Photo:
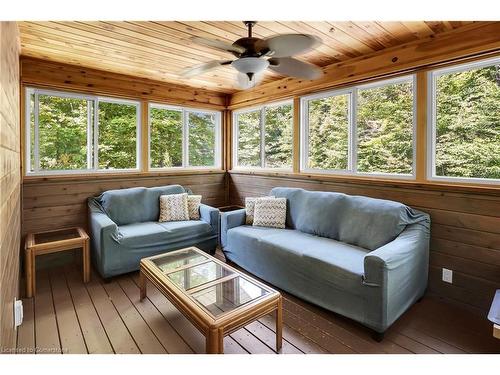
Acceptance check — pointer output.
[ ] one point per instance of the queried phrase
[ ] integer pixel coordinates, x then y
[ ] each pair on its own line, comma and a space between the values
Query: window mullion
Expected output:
262, 138
90, 123
185, 136
37, 134
96, 134
353, 140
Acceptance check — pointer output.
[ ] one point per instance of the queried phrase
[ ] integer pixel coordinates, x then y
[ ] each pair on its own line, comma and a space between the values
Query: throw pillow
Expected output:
249, 209
194, 202
270, 212
174, 207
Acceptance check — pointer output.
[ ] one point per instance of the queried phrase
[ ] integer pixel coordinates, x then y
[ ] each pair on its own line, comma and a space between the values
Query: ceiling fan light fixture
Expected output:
250, 65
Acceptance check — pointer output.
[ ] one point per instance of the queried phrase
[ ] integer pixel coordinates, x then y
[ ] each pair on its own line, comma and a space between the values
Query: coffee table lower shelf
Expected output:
214, 328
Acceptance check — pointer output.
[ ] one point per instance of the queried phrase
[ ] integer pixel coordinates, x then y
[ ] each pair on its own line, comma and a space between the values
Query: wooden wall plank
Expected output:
10, 181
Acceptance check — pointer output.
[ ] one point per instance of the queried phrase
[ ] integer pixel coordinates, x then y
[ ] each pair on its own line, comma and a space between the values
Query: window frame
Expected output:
262, 131
92, 133
185, 111
432, 121
352, 152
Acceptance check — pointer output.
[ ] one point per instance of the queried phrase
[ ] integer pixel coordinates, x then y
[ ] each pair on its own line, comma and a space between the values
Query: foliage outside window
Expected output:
365, 129
180, 137
70, 133
465, 118
264, 137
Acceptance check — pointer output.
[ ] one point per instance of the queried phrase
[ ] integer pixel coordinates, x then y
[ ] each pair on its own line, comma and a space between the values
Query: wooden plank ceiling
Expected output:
161, 50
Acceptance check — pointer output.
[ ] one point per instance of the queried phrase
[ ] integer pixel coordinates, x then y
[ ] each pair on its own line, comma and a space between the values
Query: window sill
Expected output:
376, 181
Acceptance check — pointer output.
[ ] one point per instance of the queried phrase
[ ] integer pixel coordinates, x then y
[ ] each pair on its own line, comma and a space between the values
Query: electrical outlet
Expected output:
18, 312
447, 276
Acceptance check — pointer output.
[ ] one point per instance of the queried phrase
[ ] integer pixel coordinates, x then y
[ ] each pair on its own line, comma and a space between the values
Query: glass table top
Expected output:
212, 285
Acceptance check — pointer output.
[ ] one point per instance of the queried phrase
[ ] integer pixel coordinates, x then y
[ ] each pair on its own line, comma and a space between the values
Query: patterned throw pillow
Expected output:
194, 202
270, 212
249, 209
174, 207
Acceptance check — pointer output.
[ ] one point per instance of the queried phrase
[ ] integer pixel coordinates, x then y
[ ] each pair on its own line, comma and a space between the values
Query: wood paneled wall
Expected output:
10, 179
465, 233
54, 203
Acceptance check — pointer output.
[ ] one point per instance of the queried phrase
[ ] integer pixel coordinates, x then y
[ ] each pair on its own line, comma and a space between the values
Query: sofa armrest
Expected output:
100, 224
211, 216
230, 220
405, 257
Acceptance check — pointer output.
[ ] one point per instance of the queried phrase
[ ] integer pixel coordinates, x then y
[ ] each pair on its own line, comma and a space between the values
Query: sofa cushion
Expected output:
309, 256
125, 206
194, 202
361, 221
153, 233
135, 205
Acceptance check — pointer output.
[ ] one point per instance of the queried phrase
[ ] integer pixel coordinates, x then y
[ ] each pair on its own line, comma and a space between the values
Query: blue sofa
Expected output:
124, 228
364, 258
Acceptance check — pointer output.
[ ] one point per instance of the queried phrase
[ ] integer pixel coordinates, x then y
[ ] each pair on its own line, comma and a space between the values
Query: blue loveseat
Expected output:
124, 228
364, 258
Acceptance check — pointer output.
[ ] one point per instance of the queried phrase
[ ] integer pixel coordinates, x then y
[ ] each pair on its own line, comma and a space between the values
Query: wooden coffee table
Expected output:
217, 298
52, 242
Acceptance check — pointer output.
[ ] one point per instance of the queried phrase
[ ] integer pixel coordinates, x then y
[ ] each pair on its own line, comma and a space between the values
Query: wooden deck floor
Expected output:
67, 316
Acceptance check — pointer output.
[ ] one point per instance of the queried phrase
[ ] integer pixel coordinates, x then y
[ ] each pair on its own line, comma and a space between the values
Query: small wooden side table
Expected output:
53, 241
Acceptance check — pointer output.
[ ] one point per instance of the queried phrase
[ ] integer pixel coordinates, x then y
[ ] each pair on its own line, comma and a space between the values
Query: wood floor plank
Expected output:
324, 340
355, 328
93, 332
169, 338
431, 342
292, 336
46, 333
410, 344
268, 337
26, 331
70, 334
117, 332
250, 342
343, 335
136, 325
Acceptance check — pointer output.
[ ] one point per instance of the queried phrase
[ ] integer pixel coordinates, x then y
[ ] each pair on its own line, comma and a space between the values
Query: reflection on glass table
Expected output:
197, 275
228, 295
170, 262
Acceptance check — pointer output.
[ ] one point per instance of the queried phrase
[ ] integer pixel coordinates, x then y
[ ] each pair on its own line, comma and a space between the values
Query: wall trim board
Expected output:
465, 42
53, 75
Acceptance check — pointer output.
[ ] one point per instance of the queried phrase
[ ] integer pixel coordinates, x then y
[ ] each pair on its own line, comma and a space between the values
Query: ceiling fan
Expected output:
255, 55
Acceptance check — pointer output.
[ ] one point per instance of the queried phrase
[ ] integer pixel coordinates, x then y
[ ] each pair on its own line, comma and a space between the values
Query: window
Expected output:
367, 129
70, 133
180, 137
264, 137
465, 123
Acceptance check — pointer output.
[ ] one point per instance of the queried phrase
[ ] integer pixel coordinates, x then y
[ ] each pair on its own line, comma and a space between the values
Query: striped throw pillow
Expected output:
174, 207
270, 212
250, 207
194, 202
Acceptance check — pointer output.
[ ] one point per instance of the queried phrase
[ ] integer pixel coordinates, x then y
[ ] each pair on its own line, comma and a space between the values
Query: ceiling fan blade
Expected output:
203, 68
288, 44
228, 47
243, 82
289, 66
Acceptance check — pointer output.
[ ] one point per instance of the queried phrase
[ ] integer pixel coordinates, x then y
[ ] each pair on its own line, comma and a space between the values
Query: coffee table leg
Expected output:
215, 343
279, 324
142, 285
28, 270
